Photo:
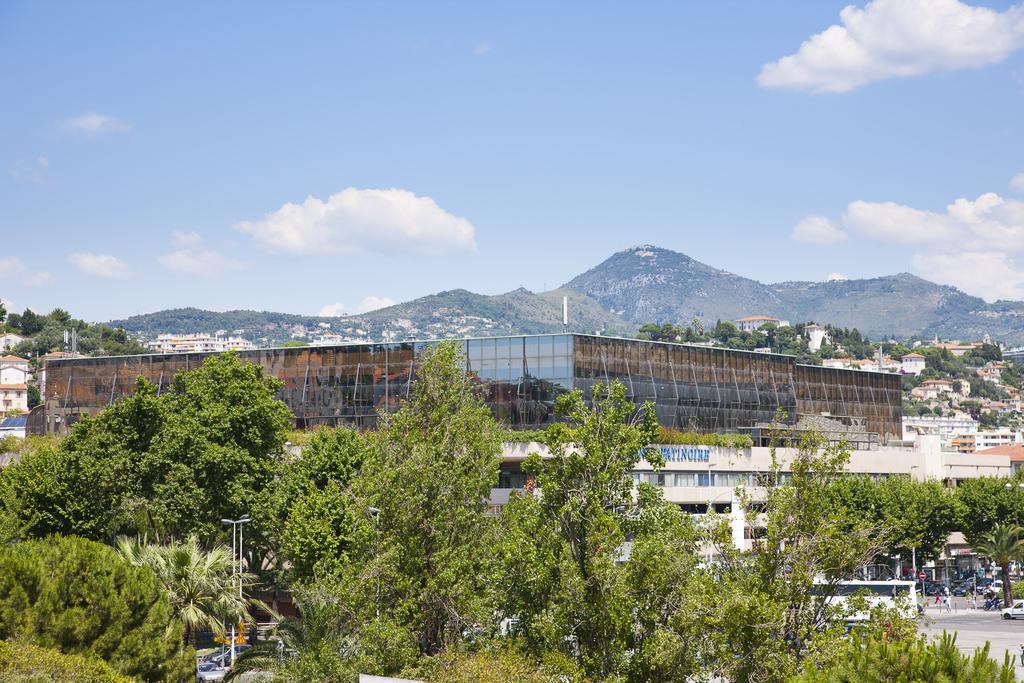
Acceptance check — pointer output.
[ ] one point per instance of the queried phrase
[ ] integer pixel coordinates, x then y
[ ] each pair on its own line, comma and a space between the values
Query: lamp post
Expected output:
236, 529
375, 513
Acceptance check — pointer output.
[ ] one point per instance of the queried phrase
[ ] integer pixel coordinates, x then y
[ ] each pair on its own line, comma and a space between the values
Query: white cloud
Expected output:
194, 258
372, 303
894, 222
897, 38
99, 265
35, 170
975, 244
14, 269
482, 48
817, 230
988, 222
356, 220
95, 124
990, 274
332, 310
1017, 183
836, 277
186, 238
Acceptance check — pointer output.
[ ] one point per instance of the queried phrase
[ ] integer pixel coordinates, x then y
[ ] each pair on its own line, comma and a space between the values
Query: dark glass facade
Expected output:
692, 387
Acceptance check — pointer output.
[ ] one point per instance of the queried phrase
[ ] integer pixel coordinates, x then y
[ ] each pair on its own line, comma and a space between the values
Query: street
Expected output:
974, 627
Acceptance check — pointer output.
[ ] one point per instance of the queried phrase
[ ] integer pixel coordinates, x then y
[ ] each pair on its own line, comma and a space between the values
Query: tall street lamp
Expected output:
375, 513
236, 530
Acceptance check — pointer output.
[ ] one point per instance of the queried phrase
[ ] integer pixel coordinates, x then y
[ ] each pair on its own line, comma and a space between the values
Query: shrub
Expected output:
26, 663
913, 661
78, 597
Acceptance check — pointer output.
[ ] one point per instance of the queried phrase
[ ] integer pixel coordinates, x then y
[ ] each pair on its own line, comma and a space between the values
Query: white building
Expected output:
945, 427
14, 374
198, 343
995, 438
912, 364
8, 340
754, 322
701, 479
816, 335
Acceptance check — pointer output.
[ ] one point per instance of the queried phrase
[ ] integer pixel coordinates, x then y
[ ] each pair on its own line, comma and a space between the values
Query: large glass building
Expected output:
693, 388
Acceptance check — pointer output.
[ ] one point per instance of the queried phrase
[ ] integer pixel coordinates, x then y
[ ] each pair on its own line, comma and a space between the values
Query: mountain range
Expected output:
632, 287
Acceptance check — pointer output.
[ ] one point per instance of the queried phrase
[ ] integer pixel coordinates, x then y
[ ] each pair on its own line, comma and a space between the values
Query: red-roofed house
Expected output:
1014, 451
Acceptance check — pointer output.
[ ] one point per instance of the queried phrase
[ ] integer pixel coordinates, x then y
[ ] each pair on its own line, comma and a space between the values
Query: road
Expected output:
974, 627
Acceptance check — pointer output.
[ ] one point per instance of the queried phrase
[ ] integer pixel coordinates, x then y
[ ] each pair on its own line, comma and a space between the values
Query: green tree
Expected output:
417, 522
22, 662
758, 615
79, 597
911, 660
556, 574
159, 466
917, 515
307, 515
987, 501
202, 586
1003, 544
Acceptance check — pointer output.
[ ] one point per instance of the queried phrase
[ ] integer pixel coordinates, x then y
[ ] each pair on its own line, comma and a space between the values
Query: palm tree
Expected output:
202, 585
1003, 544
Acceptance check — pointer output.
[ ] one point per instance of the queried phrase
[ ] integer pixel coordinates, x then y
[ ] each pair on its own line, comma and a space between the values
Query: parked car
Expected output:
210, 671
1014, 611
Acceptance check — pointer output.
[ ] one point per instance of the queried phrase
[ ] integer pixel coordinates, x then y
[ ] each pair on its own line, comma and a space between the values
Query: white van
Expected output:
890, 594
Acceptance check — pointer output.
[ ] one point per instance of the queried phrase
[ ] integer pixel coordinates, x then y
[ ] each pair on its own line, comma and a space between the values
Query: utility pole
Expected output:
236, 527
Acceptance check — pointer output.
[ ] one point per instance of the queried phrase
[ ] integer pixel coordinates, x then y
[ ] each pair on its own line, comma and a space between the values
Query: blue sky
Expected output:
149, 151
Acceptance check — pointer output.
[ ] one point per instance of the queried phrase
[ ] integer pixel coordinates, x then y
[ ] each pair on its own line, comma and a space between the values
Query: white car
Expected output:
1015, 611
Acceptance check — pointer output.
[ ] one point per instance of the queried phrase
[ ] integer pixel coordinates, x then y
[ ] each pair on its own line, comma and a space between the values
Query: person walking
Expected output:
947, 599
1022, 654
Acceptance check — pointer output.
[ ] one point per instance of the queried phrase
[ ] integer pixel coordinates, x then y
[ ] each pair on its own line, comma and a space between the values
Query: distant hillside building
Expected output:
912, 364
13, 384
198, 343
958, 348
992, 372
947, 428
9, 340
816, 335
754, 322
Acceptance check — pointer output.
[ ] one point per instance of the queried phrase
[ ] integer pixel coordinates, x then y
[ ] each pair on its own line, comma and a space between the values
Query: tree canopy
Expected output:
78, 597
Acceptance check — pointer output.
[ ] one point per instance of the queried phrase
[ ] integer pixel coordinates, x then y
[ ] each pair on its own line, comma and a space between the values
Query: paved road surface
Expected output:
974, 627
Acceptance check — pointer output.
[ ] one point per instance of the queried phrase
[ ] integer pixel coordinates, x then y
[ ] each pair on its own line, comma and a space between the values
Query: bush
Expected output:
492, 666
27, 663
912, 661
78, 597
672, 437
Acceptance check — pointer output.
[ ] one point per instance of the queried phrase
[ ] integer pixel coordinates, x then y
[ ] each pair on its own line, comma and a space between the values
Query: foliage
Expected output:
411, 580
202, 586
556, 572
1003, 544
313, 644
758, 615
158, 466
22, 662
46, 333
307, 517
493, 665
671, 436
913, 514
913, 660
987, 501
78, 596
